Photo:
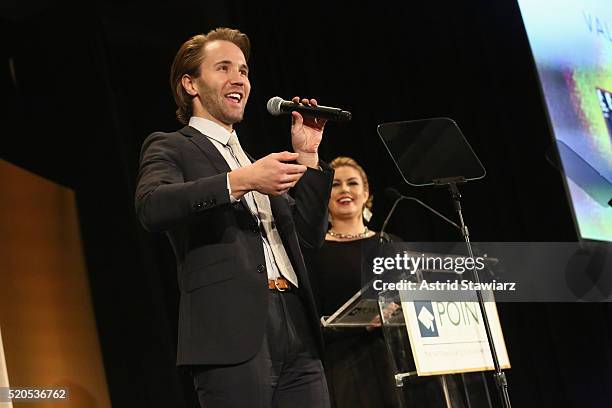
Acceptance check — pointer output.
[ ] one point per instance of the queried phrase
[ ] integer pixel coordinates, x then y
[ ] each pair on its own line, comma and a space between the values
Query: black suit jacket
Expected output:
182, 190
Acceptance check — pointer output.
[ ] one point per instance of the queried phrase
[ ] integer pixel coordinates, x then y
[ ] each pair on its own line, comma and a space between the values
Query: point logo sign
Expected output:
440, 319
427, 319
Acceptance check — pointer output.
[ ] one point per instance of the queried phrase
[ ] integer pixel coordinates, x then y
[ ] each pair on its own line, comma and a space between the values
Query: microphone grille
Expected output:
274, 105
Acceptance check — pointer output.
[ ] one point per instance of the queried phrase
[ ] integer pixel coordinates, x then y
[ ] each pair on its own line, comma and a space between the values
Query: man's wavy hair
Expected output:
188, 60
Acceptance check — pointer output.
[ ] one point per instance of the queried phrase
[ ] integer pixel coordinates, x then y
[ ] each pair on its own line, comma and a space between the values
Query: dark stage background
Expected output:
83, 85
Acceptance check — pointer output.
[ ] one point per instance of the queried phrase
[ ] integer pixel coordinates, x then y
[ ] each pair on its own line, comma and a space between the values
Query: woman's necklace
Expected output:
349, 236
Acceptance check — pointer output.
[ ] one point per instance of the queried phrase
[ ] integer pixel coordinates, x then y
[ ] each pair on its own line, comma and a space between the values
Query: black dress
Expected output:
356, 361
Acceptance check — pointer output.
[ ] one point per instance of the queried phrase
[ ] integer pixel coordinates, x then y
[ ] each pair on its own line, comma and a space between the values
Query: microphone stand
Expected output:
400, 197
382, 230
499, 376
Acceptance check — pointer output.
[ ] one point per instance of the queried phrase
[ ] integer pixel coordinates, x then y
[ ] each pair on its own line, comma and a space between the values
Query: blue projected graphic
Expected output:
571, 42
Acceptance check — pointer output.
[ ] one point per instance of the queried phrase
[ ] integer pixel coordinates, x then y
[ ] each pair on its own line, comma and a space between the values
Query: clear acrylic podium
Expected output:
382, 310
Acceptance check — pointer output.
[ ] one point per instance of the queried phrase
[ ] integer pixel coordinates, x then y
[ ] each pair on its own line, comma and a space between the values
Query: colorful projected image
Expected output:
605, 98
571, 42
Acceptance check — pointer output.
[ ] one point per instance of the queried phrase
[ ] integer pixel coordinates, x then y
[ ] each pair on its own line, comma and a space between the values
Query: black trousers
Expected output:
285, 372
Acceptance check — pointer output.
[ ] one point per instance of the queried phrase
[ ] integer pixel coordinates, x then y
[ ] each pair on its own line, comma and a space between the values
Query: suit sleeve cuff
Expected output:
229, 191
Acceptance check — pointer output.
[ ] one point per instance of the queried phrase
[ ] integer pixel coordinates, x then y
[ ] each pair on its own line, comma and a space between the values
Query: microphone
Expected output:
277, 106
393, 193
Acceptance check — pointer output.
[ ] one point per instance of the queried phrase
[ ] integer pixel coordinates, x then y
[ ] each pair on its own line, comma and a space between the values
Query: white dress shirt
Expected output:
219, 136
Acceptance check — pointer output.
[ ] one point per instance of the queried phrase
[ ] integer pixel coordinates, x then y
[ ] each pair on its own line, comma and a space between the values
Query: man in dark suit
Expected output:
248, 328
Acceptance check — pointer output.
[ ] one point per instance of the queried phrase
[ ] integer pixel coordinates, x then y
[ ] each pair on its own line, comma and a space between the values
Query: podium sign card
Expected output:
449, 336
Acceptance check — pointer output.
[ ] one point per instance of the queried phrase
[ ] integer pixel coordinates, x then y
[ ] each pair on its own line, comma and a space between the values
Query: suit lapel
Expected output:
280, 205
207, 148
211, 153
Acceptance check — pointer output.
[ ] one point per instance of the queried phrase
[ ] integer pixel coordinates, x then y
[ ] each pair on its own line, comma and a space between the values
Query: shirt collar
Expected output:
211, 129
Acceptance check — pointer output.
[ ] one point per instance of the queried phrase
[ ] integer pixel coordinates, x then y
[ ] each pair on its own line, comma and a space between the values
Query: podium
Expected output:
392, 310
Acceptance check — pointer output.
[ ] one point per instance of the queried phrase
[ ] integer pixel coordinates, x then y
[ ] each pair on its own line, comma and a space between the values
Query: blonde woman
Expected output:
356, 360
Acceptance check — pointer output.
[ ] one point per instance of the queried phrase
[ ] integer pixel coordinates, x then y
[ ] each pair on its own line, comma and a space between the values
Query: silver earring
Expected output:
367, 214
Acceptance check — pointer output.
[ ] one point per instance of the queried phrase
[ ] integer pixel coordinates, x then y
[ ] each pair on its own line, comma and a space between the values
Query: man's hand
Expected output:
270, 175
306, 135
388, 311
